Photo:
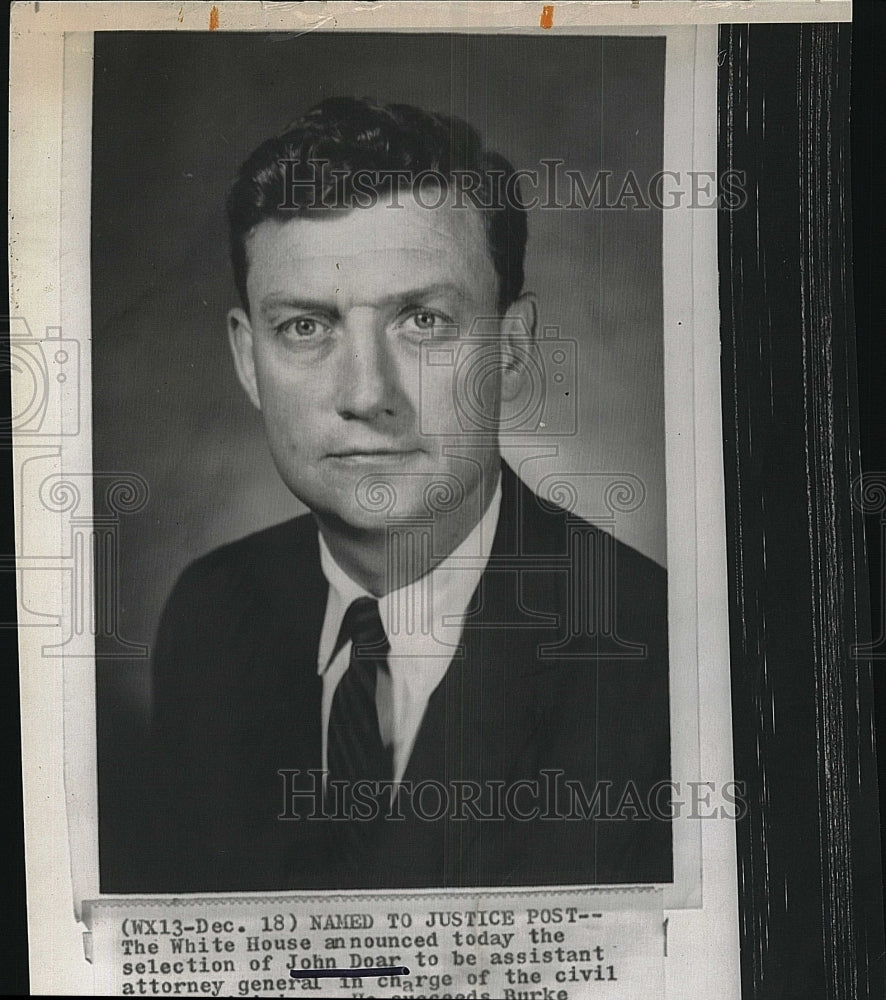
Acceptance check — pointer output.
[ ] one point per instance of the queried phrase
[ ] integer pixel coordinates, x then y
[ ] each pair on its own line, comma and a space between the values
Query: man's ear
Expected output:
518, 329
241, 341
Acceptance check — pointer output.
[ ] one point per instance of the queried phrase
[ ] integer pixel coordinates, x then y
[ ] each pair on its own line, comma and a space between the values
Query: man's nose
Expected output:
369, 387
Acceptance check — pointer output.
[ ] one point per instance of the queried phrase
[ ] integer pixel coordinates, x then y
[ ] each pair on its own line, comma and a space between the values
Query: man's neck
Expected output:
368, 557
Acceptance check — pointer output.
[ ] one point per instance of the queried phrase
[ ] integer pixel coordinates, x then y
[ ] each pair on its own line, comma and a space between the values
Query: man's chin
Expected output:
380, 505
369, 496
379, 509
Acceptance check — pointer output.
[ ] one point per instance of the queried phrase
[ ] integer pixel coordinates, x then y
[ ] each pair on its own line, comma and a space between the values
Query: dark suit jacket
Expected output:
237, 700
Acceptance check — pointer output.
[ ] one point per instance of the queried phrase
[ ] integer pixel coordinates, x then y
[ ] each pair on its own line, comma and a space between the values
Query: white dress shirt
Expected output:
423, 622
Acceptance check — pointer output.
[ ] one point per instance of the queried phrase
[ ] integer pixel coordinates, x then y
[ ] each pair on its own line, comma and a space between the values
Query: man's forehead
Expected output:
362, 234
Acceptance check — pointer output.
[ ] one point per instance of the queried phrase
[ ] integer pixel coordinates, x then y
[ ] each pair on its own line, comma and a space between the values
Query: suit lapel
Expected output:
480, 721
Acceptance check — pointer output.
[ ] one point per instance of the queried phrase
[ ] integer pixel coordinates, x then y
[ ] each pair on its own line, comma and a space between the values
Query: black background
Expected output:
868, 175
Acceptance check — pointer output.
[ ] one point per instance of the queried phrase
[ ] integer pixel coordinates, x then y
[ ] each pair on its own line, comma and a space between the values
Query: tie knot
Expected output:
362, 625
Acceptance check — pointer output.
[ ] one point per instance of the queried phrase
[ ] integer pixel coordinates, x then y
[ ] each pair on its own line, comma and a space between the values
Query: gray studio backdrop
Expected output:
175, 114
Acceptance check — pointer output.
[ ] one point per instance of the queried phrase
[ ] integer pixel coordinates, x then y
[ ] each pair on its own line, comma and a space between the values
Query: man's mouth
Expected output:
374, 455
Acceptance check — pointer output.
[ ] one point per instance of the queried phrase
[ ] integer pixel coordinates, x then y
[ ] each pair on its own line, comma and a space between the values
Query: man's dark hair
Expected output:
310, 166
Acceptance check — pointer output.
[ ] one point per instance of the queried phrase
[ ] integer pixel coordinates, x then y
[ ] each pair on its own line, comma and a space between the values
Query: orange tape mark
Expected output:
547, 16
213, 19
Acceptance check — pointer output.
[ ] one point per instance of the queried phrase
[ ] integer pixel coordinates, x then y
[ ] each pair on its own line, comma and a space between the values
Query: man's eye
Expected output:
426, 319
302, 326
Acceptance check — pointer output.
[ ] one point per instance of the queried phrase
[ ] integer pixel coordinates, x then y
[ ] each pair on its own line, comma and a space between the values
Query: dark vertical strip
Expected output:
809, 873
869, 266
822, 94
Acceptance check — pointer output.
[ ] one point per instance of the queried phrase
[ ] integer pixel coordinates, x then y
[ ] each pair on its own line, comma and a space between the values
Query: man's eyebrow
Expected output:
274, 302
409, 295
427, 292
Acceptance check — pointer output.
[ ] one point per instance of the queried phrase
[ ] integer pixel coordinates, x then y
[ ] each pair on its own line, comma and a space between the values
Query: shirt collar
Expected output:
445, 593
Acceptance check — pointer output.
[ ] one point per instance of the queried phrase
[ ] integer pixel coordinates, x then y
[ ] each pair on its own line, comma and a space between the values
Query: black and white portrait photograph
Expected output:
384, 337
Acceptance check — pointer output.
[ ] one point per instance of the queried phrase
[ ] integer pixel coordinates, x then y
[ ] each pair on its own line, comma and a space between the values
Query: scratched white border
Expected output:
417, 15
49, 260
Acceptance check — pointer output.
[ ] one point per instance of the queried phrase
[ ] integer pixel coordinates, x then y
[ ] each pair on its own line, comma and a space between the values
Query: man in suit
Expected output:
433, 678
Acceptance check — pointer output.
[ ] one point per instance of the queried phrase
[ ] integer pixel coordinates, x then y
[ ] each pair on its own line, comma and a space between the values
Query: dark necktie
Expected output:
354, 746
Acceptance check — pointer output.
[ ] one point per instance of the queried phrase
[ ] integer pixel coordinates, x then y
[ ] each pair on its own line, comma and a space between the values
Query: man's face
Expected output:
331, 355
